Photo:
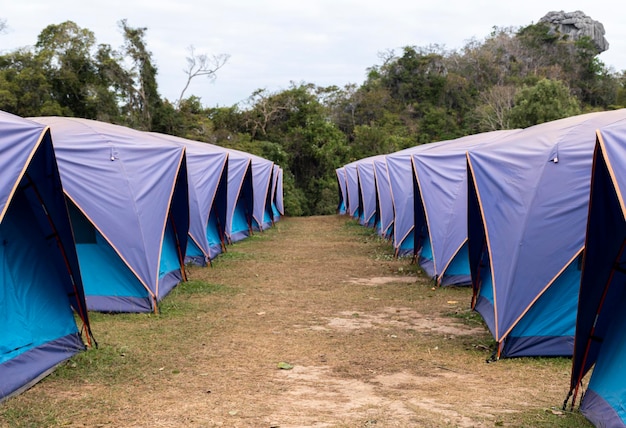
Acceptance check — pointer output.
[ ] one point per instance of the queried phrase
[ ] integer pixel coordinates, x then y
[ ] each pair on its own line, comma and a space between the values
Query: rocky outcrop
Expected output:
575, 25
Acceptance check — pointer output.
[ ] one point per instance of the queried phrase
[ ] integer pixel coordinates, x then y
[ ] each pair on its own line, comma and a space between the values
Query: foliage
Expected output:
515, 77
546, 101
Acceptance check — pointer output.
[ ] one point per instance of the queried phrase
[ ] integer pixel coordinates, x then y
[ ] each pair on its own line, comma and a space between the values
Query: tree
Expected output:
145, 99
418, 75
266, 108
24, 87
65, 52
313, 146
494, 109
115, 86
201, 65
546, 101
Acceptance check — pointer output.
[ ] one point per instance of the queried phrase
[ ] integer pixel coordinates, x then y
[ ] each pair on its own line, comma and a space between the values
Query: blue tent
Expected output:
385, 203
368, 195
129, 206
256, 207
400, 175
343, 190
262, 215
278, 193
277, 180
353, 208
207, 167
367, 192
527, 210
601, 317
440, 186
240, 199
41, 281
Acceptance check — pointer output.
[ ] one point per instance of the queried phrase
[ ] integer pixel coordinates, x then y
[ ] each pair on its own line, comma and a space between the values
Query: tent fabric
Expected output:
601, 320
239, 197
527, 210
352, 187
440, 210
277, 177
385, 202
41, 285
400, 174
279, 196
207, 167
259, 215
130, 192
343, 191
262, 170
368, 192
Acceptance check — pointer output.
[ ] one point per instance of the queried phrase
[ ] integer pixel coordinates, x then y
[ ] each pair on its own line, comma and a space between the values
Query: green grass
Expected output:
548, 418
467, 316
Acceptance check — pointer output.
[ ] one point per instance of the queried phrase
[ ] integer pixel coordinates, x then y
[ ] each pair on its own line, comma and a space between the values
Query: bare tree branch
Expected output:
201, 65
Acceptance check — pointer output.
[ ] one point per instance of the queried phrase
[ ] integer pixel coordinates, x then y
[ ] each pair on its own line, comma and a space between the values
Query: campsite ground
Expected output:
363, 341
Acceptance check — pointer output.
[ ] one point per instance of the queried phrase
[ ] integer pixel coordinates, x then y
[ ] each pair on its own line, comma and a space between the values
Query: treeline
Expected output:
513, 78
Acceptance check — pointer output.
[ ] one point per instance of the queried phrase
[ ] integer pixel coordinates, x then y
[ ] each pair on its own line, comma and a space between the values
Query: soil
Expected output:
319, 327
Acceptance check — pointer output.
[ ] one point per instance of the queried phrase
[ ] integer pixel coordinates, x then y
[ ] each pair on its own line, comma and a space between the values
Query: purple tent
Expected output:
368, 194
41, 281
278, 194
352, 187
440, 173
277, 185
207, 166
262, 170
400, 175
601, 319
250, 179
385, 203
343, 191
239, 196
527, 211
129, 206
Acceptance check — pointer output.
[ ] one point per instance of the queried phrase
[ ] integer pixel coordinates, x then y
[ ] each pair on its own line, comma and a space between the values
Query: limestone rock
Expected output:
575, 25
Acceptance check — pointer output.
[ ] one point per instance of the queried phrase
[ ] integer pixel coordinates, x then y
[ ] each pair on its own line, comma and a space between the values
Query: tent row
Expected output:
101, 217
534, 221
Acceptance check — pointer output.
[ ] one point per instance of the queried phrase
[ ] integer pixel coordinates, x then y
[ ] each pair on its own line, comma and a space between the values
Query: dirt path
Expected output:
368, 343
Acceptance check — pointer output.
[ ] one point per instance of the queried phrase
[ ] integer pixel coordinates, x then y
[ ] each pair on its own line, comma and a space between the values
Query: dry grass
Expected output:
371, 343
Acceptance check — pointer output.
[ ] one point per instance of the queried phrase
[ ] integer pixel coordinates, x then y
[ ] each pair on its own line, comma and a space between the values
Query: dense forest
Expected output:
514, 78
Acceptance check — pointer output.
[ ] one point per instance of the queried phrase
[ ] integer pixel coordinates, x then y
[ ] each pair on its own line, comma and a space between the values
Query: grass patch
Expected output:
189, 296
107, 364
199, 287
468, 317
231, 255
546, 418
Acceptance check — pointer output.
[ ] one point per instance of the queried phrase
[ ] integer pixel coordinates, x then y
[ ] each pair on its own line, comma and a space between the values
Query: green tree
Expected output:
144, 102
65, 53
298, 123
546, 101
24, 87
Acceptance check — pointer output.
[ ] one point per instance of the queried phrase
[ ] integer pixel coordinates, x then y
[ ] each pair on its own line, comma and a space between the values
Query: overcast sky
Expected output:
274, 42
